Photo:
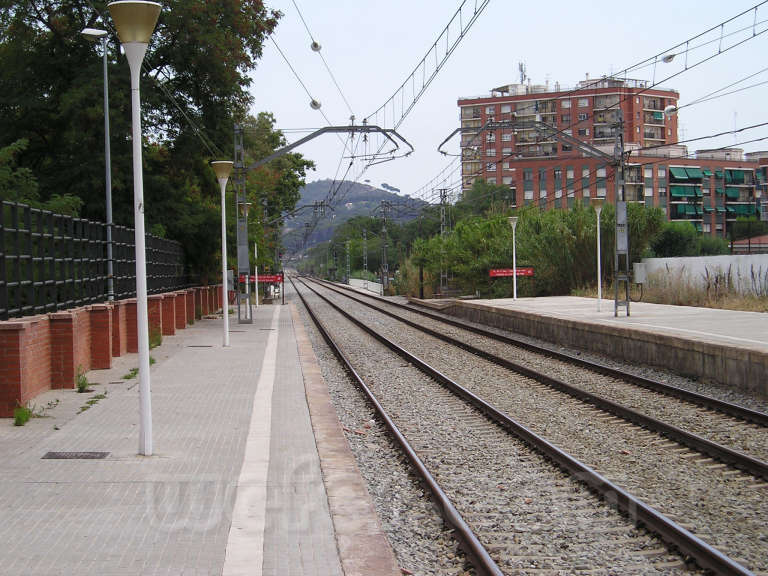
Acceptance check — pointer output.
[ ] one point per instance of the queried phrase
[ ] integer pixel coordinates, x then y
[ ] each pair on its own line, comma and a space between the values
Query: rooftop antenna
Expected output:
521, 67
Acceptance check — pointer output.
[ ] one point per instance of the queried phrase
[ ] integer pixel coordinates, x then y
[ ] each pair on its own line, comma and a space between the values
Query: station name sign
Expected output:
502, 272
263, 278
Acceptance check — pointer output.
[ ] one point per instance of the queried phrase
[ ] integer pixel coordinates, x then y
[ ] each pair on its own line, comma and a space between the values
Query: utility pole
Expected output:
348, 271
621, 265
421, 265
384, 241
365, 259
443, 232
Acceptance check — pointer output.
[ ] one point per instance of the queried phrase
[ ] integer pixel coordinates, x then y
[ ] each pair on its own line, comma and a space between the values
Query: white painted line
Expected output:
245, 545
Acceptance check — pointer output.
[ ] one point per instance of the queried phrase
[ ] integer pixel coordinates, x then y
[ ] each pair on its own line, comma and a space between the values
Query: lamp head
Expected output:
512, 221
93, 34
598, 203
222, 168
315, 104
135, 20
670, 110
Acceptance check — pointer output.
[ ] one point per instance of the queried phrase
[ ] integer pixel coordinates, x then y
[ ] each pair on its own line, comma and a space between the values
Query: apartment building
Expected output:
522, 136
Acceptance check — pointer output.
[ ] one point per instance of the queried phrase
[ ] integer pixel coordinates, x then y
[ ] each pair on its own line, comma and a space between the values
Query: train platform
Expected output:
721, 346
251, 472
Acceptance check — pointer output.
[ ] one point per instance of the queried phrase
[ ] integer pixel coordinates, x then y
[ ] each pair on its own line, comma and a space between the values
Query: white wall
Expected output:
743, 273
374, 287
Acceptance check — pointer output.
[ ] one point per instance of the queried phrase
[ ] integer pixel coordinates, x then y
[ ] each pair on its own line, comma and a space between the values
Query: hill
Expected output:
353, 199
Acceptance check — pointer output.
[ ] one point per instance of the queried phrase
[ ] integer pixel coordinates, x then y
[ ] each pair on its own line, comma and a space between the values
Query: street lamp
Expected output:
94, 34
223, 168
135, 21
513, 223
598, 204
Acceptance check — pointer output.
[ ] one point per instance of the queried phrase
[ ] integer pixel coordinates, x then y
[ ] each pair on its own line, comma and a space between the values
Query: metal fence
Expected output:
52, 262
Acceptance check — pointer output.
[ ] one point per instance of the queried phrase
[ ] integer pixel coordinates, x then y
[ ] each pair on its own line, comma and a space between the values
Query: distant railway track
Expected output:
468, 444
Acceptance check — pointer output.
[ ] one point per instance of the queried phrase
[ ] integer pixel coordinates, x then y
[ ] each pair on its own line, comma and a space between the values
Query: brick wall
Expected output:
44, 352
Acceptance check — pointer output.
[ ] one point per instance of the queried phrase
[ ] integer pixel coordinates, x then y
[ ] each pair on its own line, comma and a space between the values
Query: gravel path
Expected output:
728, 431
724, 507
531, 516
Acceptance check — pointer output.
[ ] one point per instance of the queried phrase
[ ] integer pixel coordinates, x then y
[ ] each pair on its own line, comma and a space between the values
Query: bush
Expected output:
21, 415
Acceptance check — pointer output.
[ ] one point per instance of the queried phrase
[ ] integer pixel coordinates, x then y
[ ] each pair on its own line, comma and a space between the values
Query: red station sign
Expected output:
264, 278
503, 272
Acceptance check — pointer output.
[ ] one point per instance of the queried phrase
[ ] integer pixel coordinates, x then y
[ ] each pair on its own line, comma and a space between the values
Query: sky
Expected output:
371, 47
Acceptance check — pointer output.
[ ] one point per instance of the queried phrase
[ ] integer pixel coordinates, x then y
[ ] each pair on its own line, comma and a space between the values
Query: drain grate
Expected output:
199, 346
75, 455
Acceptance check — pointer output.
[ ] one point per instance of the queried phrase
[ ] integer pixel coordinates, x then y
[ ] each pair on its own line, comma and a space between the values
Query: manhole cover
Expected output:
75, 455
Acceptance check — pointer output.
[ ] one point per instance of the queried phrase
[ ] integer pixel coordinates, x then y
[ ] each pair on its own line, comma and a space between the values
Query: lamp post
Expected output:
598, 204
223, 168
135, 21
513, 223
95, 34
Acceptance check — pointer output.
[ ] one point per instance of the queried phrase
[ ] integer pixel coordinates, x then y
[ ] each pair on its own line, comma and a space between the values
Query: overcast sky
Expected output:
372, 46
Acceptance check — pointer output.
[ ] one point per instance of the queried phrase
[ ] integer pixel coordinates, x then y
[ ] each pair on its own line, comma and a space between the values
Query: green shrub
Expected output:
82, 381
155, 338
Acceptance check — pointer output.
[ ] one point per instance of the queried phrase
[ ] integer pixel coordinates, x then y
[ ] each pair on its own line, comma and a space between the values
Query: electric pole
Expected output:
348, 271
443, 232
365, 259
620, 269
384, 240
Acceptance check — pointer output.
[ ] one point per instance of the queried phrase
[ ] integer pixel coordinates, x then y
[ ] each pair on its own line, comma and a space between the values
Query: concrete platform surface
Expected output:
236, 485
729, 327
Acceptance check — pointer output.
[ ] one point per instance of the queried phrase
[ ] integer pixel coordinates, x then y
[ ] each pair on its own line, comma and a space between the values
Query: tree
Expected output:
194, 88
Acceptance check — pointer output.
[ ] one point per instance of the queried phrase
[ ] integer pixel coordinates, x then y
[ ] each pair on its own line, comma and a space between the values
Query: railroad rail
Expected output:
741, 412
671, 532
746, 462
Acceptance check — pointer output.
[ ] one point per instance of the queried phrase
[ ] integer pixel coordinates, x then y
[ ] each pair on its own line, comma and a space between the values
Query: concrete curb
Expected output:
363, 547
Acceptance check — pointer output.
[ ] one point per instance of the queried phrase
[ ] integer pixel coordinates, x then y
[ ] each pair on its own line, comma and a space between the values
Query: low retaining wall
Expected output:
40, 353
731, 366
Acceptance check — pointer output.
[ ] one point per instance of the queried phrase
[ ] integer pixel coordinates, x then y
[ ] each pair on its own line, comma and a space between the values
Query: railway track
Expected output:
728, 432
529, 514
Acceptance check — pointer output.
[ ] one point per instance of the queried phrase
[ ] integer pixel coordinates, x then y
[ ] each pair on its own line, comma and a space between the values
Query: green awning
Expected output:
681, 191
678, 173
706, 172
734, 176
694, 173
658, 115
730, 209
732, 193
708, 209
699, 210
690, 209
720, 209
698, 192
719, 191
698, 226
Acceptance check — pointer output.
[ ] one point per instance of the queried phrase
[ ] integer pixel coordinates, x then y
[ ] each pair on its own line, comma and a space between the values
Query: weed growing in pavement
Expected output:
82, 381
131, 374
151, 360
91, 401
155, 338
21, 415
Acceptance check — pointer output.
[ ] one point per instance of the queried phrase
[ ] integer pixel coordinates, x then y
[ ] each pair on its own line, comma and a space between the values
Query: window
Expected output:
508, 180
491, 167
506, 137
583, 131
491, 180
506, 108
637, 129
490, 152
601, 191
506, 151
648, 171
489, 109
490, 137
565, 104
506, 166
565, 118
558, 173
583, 102
528, 195
706, 228
569, 173
648, 191
583, 116
566, 148
601, 172
662, 191
527, 174
662, 172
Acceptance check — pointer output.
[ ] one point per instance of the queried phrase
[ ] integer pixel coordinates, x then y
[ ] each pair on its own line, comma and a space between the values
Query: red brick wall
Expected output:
155, 314
190, 306
203, 295
181, 310
131, 328
101, 336
22, 375
119, 329
168, 307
